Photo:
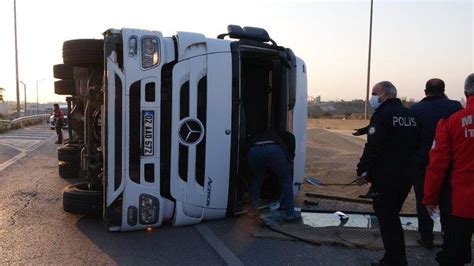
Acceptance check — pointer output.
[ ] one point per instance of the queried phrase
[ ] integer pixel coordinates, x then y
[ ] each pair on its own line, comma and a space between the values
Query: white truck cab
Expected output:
176, 114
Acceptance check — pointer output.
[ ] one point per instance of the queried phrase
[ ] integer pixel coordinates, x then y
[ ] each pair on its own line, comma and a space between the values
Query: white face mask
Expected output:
374, 101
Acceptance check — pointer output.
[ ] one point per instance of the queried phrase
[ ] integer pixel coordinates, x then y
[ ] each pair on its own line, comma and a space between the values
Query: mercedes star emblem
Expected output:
191, 131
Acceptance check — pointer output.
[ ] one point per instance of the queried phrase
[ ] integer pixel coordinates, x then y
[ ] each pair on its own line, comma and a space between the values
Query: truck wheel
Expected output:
83, 52
68, 169
70, 154
63, 71
71, 143
79, 199
65, 87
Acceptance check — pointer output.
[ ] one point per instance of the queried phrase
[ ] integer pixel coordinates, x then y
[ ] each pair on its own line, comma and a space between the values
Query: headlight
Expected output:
150, 52
149, 209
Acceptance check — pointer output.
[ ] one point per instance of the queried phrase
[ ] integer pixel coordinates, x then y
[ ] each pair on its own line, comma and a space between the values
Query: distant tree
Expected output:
407, 102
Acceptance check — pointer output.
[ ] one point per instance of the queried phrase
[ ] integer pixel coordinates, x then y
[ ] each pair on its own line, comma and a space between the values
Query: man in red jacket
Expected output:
453, 150
58, 122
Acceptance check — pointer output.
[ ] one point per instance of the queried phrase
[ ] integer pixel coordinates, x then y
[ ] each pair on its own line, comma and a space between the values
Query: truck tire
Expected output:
83, 52
79, 199
65, 87
63, 71
68, 169
71, 143
70, 154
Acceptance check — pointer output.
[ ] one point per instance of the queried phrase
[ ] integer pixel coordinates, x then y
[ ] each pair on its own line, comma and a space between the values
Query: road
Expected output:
14, 145
35, 230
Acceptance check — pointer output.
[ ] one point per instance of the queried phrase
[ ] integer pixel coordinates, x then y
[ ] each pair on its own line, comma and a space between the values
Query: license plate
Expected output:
148, 118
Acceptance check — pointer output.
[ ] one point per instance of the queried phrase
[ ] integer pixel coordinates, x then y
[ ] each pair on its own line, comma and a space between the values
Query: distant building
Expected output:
353, 109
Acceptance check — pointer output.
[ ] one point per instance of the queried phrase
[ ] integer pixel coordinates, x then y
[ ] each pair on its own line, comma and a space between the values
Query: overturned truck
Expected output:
158, 125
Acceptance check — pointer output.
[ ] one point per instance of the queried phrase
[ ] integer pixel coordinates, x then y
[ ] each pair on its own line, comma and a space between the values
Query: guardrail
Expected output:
22, 122
16, 115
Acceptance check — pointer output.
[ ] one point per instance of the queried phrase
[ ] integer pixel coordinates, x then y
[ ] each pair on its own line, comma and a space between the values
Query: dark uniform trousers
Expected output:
457, 241
425, 223
387, 205
59, 130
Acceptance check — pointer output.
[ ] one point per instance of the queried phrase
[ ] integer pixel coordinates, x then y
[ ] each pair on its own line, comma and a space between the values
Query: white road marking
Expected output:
219, 246
30, 132
23, 144
25, 137
39, 134
12, 160
11, 146
24, 140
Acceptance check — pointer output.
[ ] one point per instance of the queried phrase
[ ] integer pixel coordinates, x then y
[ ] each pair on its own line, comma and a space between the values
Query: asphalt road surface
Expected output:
35, 230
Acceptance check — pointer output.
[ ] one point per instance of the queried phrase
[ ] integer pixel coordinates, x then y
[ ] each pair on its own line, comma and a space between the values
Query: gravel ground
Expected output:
332, 156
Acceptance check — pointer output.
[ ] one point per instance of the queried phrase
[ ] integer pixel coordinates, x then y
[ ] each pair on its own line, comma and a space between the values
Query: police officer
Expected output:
454, 147
273, 151
386, 162
428, 112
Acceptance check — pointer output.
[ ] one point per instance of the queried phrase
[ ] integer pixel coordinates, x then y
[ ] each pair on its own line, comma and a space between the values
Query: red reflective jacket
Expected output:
58, 114
454, 143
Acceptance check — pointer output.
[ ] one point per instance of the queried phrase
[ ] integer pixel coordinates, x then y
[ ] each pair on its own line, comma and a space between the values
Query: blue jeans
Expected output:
271, 157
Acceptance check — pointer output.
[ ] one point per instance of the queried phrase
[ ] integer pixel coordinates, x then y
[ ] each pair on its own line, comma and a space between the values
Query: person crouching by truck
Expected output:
58, 122
453, 150
273, 151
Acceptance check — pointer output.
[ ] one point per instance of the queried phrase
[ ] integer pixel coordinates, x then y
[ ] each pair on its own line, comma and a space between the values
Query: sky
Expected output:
413, 40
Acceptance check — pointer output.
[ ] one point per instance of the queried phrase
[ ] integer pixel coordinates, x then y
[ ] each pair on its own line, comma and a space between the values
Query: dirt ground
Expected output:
337, 124
331, 156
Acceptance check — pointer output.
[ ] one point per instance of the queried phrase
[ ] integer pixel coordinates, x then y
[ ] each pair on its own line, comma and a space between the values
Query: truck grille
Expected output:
183, 113
202, 116
118, 131
134, 132
165, 131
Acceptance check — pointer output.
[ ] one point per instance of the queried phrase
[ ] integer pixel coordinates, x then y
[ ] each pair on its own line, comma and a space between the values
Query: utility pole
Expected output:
16, 62
24, 86
37, 102
366, 111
